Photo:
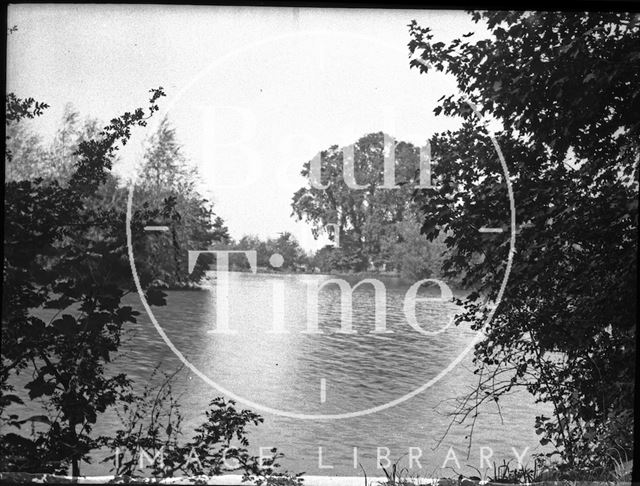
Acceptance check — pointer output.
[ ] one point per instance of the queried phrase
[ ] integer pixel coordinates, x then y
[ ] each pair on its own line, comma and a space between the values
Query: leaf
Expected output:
43, 419
96, 321
39, 387
428, 228
156, 297
9, 399
65, 325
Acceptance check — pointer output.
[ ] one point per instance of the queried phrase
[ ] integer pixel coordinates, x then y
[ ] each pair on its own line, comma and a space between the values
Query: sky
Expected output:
253, 92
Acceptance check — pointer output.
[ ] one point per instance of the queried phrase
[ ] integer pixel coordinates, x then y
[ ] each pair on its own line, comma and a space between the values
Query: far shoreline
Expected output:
201, 285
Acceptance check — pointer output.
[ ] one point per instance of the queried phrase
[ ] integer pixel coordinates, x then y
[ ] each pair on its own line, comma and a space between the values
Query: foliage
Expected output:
294, 257
286, 245
564, 86
65, 256
165, 179
377, 226
544, 470
165, 174
398, 476
363, 215
66, 271
412, 255
152, 423
331, 259
31, 159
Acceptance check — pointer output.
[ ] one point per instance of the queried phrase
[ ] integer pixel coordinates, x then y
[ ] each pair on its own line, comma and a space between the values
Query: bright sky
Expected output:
253, 92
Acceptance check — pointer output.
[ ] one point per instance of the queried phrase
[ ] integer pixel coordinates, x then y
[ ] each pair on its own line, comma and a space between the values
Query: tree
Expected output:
286, 245
63, 254
165, 174
31, 158
412, 255
164, 165
331, 259
565, 89
363, 215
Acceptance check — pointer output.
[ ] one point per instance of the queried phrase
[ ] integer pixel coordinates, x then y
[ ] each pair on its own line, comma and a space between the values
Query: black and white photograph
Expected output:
320, 245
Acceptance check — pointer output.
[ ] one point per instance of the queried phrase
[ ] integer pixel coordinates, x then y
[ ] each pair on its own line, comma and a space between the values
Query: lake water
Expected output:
331, 373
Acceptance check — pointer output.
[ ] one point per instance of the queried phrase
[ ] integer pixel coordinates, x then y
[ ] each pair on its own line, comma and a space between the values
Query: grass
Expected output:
396, 476
505, 473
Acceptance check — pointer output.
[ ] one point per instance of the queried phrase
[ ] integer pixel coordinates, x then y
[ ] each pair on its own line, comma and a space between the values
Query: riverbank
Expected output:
237, 480
211, 275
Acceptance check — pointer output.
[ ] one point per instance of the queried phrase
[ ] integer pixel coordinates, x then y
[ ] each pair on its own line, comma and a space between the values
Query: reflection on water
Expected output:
283, 371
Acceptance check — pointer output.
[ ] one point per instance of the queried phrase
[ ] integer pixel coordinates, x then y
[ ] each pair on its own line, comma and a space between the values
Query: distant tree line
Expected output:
294, 258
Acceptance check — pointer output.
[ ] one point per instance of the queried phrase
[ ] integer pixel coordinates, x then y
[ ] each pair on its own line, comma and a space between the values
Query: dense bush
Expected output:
565, 90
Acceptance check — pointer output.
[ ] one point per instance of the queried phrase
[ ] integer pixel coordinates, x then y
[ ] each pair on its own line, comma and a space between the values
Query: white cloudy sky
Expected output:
252, 92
